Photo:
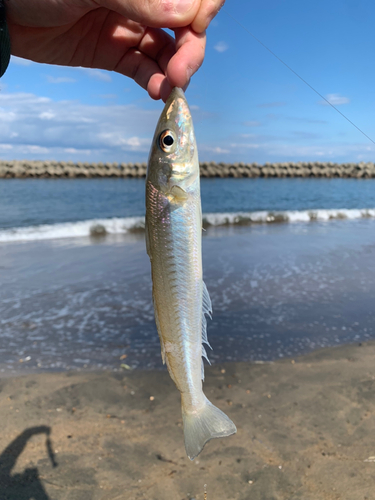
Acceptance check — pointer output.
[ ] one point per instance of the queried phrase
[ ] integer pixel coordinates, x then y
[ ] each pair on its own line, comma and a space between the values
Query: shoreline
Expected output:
22, 169
318, 292
305, 430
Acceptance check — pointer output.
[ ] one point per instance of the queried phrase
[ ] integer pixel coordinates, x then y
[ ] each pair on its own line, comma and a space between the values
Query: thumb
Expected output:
155, 13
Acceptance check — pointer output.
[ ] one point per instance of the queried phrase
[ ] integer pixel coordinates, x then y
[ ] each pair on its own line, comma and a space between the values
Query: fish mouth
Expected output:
176, 92
176, 108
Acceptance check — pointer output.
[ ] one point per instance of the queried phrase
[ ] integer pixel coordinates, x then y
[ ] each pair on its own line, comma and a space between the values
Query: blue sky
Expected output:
246, 105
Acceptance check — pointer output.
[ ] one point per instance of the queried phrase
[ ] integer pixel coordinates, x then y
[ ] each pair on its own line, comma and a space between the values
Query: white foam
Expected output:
126, 224
70, 229
222, 219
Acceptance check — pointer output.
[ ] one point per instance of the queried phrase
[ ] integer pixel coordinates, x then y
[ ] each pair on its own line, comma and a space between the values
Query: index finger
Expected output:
207, 11
190, 47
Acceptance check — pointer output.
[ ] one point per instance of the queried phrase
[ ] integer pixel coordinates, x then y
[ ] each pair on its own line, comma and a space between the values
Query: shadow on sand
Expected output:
27, 485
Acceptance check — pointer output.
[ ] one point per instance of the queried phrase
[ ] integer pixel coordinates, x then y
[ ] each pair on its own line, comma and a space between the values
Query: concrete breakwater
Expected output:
58, 169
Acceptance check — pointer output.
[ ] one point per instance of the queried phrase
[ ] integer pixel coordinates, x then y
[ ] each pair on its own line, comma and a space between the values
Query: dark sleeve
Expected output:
4, 40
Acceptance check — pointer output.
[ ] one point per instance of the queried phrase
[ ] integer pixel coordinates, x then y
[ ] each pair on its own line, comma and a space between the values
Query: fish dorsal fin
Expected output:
206, 309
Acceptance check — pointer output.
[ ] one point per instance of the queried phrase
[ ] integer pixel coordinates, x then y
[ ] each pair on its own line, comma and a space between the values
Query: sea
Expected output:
289, 265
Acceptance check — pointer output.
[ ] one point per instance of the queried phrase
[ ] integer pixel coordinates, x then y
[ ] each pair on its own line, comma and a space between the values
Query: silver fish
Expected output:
174, 245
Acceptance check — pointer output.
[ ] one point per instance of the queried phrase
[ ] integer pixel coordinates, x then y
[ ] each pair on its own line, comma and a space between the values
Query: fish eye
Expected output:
166, 140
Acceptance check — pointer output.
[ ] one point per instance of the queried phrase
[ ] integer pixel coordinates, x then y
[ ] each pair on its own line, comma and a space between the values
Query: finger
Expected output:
205, 14
165, 89
155, 13
134, 51
159, 46
188, 58
158, 87
141, 68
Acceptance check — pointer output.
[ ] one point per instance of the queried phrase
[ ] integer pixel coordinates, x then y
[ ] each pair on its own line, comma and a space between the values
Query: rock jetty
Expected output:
59, 169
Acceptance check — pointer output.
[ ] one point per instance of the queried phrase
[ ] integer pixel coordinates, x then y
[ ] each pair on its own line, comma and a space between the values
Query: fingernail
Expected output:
183, 6
189, 73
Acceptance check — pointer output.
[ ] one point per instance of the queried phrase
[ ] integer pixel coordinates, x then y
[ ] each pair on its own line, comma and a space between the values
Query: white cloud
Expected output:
20, 62
60, 79
47, 115
214, 149
75, 151
221, 47
260, 148
220, 150
97, 74
133, 143
35, 148
323, 152
37, 127
7, 115
335, 100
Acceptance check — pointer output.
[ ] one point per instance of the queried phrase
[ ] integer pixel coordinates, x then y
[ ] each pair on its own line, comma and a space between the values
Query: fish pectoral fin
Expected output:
177, 194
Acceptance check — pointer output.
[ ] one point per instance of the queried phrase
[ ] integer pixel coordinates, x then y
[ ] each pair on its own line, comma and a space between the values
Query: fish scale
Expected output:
174, 245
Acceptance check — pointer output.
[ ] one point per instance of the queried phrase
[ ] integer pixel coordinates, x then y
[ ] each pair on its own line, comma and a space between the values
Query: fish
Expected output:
173, 228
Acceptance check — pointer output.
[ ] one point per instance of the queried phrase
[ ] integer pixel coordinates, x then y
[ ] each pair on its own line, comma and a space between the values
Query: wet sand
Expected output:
306, 430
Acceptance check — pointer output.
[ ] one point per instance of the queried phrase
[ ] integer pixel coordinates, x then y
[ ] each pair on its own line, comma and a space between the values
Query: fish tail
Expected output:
204, 424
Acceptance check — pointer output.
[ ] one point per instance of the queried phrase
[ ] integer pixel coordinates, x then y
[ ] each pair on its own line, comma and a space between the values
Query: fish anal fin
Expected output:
207, 305
206, 309
204, 355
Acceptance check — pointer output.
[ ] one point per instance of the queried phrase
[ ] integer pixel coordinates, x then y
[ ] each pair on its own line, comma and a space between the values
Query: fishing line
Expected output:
297, 75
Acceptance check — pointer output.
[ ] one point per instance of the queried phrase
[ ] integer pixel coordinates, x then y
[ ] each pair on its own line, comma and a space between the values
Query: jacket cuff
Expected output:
4, 40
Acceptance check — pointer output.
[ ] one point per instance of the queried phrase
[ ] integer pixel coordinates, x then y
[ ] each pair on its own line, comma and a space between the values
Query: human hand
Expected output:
125, 36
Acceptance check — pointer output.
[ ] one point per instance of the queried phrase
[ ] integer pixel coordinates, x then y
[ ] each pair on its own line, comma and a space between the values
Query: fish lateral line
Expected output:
180, 297
299, 76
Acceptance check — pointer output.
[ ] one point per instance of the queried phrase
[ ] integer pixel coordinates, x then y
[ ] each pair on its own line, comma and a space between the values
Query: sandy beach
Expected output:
306, 430
75, 425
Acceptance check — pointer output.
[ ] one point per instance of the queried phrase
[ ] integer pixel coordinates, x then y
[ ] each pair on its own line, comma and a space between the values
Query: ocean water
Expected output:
32, 209
288, 264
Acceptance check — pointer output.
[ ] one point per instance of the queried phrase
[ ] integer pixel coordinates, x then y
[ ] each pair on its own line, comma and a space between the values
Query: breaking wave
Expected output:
81, 229
246, 218
101, 227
